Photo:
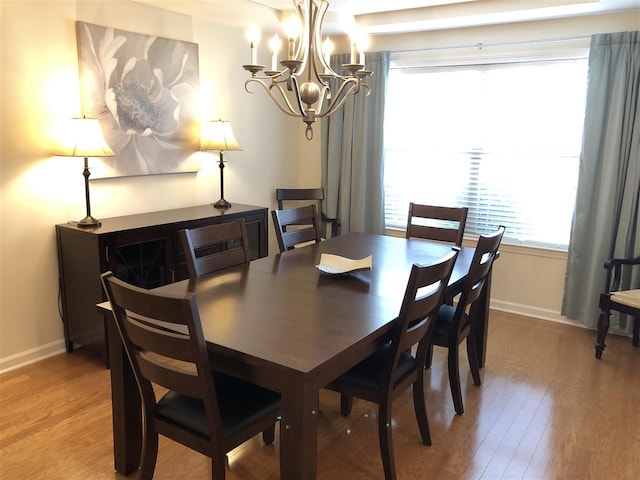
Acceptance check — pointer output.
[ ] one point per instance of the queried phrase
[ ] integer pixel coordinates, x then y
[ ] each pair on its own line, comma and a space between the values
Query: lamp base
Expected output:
88, 222
222, 203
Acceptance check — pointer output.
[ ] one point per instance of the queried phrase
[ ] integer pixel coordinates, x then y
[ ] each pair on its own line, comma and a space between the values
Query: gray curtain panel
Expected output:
605, 222
352, 152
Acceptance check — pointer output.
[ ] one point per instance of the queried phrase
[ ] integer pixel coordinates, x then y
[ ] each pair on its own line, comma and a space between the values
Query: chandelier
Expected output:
305, 85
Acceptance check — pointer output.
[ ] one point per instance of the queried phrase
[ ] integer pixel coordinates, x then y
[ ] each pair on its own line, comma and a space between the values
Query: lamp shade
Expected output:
84, 139
218, 135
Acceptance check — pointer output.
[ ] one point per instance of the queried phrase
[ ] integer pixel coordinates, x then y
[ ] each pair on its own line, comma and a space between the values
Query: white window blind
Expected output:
502, 139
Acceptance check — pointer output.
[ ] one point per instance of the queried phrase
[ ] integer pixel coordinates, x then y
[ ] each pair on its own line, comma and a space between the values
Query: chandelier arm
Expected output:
325, 95
319, 65
300, 49
277, 76
340, 97
296, 91
334, 106
282, 102
286, 108
314, 31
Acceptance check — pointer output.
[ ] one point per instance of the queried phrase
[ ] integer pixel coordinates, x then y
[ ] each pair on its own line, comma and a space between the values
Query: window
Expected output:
501, 139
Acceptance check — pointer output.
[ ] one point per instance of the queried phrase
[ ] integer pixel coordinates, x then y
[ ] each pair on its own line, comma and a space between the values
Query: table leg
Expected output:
125, 407
299, 434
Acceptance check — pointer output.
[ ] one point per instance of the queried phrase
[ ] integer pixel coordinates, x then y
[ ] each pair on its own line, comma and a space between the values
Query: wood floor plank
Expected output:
546, 409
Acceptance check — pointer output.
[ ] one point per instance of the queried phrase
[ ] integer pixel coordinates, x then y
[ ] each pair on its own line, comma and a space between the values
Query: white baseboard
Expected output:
545, 314
535, 312
25, 358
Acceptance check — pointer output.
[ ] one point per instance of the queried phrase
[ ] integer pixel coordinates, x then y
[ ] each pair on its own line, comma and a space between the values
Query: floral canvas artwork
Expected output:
143, 91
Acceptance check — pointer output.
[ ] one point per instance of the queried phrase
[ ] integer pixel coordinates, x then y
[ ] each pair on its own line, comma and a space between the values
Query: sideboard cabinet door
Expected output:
142, 261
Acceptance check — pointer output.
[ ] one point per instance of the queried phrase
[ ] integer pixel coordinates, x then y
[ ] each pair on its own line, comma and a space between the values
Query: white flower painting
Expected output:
143, 91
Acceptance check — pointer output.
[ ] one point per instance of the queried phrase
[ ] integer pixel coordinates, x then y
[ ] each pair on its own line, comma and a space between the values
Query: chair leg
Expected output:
448, 299
420, 407
603, 328
454, 380
429, 357
346, 403
218, 465
149, 454
472, 353
269, 435
636, 331
386, 443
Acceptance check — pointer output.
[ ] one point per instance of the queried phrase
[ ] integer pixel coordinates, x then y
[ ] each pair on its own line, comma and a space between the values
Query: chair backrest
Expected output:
163, 339
422, 299
297, 194
295, 198
443, 224
479, 270
215, 247
423, 296
305, 219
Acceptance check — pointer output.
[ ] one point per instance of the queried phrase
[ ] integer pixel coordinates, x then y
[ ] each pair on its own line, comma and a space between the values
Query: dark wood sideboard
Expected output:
141, 249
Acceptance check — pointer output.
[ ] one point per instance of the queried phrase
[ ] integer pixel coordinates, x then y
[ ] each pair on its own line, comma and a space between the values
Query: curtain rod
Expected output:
481, 45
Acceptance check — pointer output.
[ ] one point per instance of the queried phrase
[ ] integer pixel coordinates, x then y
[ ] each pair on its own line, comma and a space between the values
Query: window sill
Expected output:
505, 246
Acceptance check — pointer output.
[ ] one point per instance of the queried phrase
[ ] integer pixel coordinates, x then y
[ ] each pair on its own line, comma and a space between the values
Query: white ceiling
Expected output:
398, 16
360, 7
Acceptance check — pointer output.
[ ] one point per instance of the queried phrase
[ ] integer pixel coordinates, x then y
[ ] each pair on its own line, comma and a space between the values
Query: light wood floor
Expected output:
546, 410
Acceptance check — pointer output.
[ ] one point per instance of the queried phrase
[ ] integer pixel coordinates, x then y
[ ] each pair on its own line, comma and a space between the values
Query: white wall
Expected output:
40, 92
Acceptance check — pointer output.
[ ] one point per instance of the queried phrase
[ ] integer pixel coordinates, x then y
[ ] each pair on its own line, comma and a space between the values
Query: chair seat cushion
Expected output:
444, 322
369, 373
241, 403
630, 298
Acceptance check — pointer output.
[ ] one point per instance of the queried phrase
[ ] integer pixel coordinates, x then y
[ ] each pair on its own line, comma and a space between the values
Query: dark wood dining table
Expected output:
281, 323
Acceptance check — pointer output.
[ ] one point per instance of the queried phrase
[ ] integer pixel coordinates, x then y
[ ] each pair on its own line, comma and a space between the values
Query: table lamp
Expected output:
218, 136
85, 139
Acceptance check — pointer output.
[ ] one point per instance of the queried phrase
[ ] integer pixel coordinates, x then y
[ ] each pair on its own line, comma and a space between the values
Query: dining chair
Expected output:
626, 301
211, 413
304, 219
215, 247
457, 323
295, 196
431, 222
388, 372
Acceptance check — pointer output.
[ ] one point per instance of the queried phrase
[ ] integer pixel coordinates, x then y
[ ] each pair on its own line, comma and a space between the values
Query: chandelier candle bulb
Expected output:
327, 48
253, 34
291, 48
353, 52
274, 43
363, 45
292, 31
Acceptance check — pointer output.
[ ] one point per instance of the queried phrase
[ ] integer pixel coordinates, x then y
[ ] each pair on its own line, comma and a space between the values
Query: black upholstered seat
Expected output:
240, 403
